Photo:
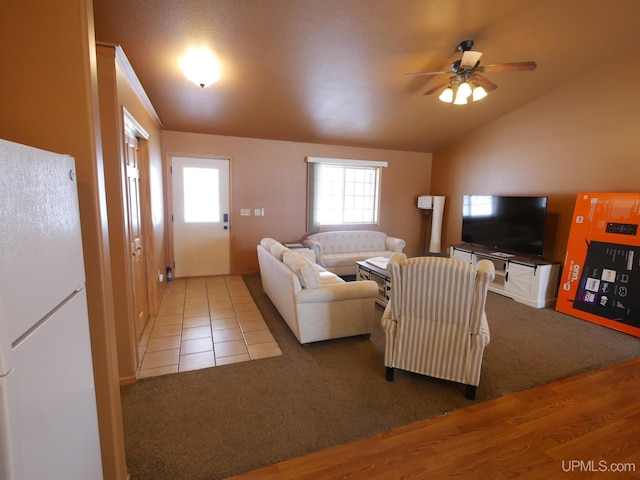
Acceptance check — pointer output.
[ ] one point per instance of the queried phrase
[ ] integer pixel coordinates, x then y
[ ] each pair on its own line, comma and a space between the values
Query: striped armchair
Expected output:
435, 322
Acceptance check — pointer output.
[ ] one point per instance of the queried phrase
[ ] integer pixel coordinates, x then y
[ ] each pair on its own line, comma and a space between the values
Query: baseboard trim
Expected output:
127, 380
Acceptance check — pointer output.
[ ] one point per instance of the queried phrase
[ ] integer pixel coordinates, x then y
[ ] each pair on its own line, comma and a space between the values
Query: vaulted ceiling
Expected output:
331, 71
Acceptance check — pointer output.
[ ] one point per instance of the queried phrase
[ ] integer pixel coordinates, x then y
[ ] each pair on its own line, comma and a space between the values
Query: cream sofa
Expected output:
339, 251
316, 304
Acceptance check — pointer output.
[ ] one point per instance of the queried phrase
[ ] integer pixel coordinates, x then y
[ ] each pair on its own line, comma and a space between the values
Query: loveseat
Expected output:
316, 304
339, 251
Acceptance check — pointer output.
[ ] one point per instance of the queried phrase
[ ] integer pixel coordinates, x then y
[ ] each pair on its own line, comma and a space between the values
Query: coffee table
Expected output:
367, 271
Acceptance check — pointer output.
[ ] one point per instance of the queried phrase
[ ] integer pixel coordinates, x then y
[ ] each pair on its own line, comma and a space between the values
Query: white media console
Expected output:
531, 281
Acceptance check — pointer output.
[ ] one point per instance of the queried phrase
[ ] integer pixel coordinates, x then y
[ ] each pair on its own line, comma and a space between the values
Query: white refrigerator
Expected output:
48, 416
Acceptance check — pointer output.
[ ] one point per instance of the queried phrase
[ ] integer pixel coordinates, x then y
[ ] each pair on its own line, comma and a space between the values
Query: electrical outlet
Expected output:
259, 212
245, 212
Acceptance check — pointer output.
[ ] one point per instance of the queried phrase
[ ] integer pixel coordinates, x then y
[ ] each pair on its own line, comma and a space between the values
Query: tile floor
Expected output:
201, 323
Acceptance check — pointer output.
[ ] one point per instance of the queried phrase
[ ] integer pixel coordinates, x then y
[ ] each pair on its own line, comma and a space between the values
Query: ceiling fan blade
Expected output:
510, 67
485, 83
470, 58
417, 74
438, 86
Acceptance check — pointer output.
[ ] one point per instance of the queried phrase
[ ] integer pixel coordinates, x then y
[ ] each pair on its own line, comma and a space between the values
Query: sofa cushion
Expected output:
348, 259
309, 277
267, 242
350, 241
278, 250
328, 278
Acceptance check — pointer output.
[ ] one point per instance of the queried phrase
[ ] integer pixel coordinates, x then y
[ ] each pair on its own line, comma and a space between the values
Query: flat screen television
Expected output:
506, 224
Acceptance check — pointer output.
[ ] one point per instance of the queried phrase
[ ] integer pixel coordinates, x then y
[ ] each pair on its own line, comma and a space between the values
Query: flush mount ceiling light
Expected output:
200, 66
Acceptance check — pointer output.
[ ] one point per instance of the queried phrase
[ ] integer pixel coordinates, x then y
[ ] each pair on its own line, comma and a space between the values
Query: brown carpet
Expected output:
213, 423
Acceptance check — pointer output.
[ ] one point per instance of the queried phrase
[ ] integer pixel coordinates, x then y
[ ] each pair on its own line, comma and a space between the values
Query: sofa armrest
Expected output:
313, 245
394, 244
339, 291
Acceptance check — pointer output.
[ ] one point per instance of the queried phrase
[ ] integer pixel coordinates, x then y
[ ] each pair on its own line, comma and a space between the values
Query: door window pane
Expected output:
201, 195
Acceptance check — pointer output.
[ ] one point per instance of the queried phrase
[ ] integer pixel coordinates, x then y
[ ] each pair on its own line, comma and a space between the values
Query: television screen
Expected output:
507, 224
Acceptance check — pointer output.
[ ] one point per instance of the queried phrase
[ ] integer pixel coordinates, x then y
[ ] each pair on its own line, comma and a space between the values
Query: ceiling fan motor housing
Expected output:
458, 68
465, 45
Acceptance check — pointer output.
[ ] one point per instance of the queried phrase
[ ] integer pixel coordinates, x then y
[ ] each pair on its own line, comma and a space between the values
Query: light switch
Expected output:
245, 212
259, 212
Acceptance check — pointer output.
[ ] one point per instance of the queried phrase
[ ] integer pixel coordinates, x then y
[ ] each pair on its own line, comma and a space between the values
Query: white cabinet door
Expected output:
462, 255
521, 280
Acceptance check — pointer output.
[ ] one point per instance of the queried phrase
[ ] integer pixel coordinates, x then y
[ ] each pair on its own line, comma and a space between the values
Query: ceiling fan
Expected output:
468, 71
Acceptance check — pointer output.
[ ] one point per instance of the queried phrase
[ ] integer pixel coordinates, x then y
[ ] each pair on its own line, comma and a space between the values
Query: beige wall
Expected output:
48, 98
273, 174
584, 136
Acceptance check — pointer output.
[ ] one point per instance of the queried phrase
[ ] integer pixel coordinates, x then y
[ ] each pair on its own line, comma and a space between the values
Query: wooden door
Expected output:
201, 240
134, 220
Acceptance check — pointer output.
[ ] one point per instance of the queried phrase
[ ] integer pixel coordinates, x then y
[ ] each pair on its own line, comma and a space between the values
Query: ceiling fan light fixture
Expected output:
446, 95
460, 99
479, 93
466, 80
464, 89
200, 66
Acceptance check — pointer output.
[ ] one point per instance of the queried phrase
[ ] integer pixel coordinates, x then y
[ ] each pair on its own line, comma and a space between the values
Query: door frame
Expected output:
169, 201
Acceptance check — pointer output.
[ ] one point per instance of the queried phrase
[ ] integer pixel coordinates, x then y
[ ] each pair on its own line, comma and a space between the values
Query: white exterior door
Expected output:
200, 216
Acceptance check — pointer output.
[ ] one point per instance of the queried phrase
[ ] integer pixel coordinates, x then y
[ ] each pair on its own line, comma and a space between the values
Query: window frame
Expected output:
313, 178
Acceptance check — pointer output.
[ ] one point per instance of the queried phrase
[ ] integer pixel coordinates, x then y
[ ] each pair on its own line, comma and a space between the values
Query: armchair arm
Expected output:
478, 343
394, 244
485, 273
393, 266
389, 325
313, 245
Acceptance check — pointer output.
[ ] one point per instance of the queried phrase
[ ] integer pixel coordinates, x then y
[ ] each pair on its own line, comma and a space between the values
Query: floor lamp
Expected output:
434, 205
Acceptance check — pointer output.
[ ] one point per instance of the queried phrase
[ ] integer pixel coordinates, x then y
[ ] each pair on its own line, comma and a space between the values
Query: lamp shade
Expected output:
446, 95
464, 89
479, 93
460, 99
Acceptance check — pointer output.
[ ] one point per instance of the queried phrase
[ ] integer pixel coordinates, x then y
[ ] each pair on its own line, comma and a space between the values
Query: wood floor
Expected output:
587, 426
